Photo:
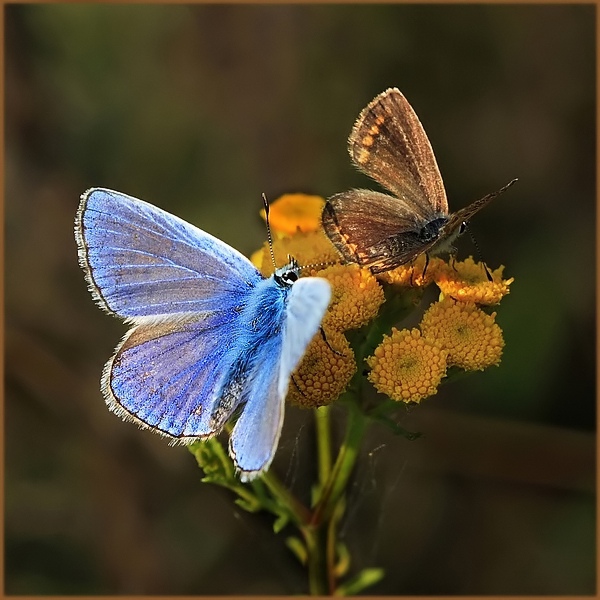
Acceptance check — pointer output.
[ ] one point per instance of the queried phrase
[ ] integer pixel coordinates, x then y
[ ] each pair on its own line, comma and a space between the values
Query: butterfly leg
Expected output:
297, 386
426, 265
452, 258
324, 336
487, 272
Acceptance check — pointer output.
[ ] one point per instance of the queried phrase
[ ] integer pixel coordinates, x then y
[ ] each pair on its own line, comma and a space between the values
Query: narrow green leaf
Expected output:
248, 505
363, 580
297, 548
281, 521
343, 560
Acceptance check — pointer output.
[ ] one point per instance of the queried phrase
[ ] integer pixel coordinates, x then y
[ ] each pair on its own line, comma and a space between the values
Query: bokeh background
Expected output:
199, 109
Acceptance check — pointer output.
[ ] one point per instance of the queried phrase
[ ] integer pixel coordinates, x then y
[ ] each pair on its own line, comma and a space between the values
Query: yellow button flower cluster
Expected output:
408, 365
324, 372
356, 297
468, 337
419, 273
467, 281
308, 248
472, 338
291, 213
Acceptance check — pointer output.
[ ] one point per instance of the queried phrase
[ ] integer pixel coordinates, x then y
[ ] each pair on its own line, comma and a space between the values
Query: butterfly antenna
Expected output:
269, 236
329, 263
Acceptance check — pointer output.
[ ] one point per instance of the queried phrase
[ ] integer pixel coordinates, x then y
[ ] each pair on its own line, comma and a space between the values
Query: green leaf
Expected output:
213, 460
248, 504
297, 548
363, 580
282, 520
343, 560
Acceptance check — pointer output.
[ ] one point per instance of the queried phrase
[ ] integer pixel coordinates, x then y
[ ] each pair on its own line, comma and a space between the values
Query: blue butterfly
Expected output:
210, 335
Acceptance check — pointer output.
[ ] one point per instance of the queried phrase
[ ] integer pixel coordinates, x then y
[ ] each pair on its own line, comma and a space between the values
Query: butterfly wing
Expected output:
375, 230
306, 305
381, 232
254, 438
141, 261
168, 375
465, 213
363, 225
389, 144
184, 292
452, 226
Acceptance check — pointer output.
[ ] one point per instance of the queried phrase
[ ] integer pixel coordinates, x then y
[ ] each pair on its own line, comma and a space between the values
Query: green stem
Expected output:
344, 464
323, 444
318, 577
299, 514
332, 544
320, 534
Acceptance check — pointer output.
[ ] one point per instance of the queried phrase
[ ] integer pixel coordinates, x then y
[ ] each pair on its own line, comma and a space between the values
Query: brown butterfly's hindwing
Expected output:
393, 237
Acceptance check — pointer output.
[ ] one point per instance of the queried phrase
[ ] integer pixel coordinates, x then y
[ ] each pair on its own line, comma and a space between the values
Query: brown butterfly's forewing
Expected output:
376, 230
464, 214
389, 144
451, 228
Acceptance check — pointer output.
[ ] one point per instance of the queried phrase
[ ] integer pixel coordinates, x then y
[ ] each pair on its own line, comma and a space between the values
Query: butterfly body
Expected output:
210, 335
255, 344
384, 231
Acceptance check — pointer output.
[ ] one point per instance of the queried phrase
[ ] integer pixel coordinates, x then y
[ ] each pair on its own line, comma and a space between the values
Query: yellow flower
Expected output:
472, 338
466, 281
312, 248
295, 212
406, 366
323, 373
356, 297
256, 258
411, 274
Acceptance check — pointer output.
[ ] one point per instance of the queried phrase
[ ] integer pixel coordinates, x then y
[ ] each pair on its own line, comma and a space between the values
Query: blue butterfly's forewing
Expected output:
256, 434
306, 305
141, 261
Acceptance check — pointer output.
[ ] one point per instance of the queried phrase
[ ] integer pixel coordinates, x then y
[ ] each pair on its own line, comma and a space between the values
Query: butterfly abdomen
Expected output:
258, 335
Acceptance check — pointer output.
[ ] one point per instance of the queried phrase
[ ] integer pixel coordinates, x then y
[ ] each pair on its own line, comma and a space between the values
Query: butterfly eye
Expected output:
289, 277
286, 276
462, 227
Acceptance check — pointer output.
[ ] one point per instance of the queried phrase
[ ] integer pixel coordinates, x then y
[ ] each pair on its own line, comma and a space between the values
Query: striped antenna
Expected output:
269, 237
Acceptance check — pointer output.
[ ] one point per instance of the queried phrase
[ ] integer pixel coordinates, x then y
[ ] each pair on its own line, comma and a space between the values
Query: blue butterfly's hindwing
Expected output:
168, 375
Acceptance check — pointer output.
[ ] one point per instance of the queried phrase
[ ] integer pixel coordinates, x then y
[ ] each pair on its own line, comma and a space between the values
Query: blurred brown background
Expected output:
199, 109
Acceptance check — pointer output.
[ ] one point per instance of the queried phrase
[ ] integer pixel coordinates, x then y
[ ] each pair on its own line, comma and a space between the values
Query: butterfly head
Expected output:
287, 275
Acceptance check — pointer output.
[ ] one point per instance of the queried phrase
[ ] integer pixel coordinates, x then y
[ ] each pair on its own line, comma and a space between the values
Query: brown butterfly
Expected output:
380, 231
